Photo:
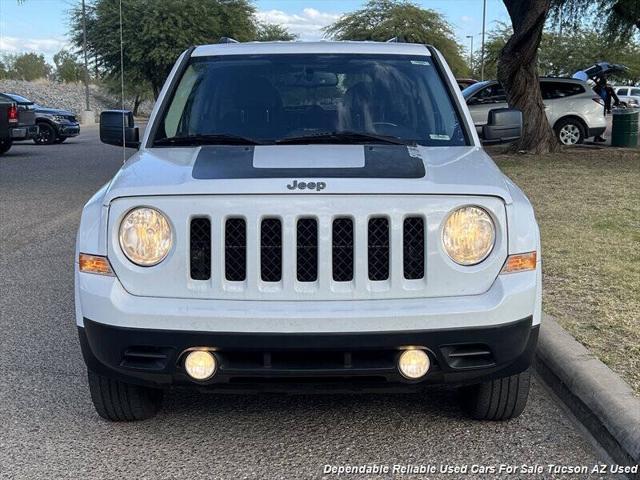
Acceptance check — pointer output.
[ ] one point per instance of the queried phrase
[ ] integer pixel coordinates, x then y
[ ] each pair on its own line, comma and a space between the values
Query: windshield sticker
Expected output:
420, 62
434, 136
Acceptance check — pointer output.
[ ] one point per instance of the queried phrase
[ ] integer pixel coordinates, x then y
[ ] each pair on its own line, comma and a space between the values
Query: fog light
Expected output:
413, 364
200, 364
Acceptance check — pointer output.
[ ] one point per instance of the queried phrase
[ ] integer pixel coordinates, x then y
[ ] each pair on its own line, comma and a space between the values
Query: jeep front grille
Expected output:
343, 255
271, 250
200, 248
306, 247
378, 251
307, 250
342, 249
235, 250
413, 248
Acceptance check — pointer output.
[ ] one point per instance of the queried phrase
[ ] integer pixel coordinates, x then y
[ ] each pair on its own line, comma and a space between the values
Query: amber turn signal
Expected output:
94, 264
520, 262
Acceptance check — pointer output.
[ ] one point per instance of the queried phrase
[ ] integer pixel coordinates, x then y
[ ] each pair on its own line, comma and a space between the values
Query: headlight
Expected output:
145, 236
469, 235
59, 118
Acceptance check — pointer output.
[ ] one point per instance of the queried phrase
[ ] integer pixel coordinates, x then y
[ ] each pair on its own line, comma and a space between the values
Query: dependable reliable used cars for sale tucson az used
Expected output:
304, 217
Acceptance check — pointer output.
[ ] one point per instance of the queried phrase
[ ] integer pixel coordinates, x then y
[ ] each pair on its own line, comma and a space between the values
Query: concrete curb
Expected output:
600, 399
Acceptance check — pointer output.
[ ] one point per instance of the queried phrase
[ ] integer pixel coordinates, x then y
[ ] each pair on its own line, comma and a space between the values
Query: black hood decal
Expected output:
380, 161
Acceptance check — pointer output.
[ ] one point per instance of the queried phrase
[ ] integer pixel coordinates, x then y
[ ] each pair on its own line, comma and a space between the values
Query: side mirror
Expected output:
112, 124
504, 125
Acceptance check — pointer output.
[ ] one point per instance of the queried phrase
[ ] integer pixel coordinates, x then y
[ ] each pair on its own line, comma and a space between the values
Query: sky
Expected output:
41, 25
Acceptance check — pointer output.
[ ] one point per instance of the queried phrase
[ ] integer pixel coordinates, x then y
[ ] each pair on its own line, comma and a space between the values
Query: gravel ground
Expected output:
68, 96
50, 430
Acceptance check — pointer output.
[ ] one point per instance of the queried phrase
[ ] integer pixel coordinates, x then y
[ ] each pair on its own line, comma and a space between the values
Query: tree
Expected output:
29, 66
68, 69
561, 55
269, 32
4, 67
518, 59
517, 72
155, 32
620, 19
381, 20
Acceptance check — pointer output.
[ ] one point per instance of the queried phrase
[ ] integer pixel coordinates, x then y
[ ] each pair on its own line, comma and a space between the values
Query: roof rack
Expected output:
227, 40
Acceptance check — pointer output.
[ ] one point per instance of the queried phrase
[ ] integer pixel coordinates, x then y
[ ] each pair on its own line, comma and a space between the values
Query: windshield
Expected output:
18, 98
315, 98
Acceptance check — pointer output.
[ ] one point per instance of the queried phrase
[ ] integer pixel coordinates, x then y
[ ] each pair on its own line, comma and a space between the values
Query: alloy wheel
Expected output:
569, 134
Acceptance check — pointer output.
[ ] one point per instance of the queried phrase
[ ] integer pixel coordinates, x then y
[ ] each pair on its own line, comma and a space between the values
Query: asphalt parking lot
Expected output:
50, 430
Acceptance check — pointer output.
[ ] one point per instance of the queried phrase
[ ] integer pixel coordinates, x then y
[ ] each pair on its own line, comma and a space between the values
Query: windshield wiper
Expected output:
343, 137
205, 139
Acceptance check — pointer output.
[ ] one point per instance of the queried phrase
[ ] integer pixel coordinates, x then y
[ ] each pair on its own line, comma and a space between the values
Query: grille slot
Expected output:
271, 250
413, 248
468, 356
342, 250
145, 357
307, 250
200, 249
378, 248
235, 250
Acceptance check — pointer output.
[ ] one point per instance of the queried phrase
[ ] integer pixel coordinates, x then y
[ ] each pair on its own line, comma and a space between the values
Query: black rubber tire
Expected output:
122, 402
46, 136
500, 399
579, 128
60, 140
5, 146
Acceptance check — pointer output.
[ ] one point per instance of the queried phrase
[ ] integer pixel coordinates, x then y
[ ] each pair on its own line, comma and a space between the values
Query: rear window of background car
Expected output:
553, 90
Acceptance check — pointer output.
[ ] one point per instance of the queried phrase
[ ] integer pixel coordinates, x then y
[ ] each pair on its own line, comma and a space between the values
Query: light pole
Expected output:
484, 19
470, 37
87, 115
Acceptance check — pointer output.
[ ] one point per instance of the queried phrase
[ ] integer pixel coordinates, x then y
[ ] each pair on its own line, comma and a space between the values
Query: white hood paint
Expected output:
449, 171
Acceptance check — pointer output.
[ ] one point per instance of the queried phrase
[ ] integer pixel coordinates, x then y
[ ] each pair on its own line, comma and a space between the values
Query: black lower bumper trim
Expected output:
257, 361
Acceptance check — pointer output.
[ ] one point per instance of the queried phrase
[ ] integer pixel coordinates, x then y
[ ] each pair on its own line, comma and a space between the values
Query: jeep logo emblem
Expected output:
317, 186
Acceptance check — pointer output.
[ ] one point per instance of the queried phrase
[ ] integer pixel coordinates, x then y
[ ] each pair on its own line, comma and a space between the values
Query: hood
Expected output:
54, 111
309, 169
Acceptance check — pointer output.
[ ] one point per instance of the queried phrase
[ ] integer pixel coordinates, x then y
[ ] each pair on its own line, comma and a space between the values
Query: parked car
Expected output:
308, 215
17, 123
8, 115
573, 109
629, 95
465, 82
54, 125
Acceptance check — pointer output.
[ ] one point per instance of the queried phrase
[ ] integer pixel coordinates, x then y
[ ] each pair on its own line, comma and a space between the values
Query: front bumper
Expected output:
297, 345
68, 129
596, 131
301, 361
24, 133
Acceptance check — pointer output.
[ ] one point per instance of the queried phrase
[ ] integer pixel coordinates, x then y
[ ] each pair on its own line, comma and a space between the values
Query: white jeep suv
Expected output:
306, 216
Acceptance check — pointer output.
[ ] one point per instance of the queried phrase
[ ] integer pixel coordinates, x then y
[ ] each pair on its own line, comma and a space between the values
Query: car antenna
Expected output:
124, 148
227, 40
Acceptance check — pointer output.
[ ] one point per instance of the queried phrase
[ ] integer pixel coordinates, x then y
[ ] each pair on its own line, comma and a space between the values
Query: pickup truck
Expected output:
306, 216
16, 123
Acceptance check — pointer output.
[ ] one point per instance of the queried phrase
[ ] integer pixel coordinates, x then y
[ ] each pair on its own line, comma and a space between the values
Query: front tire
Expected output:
122, 402
5, 146
46, 134
500, 399
570, 131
